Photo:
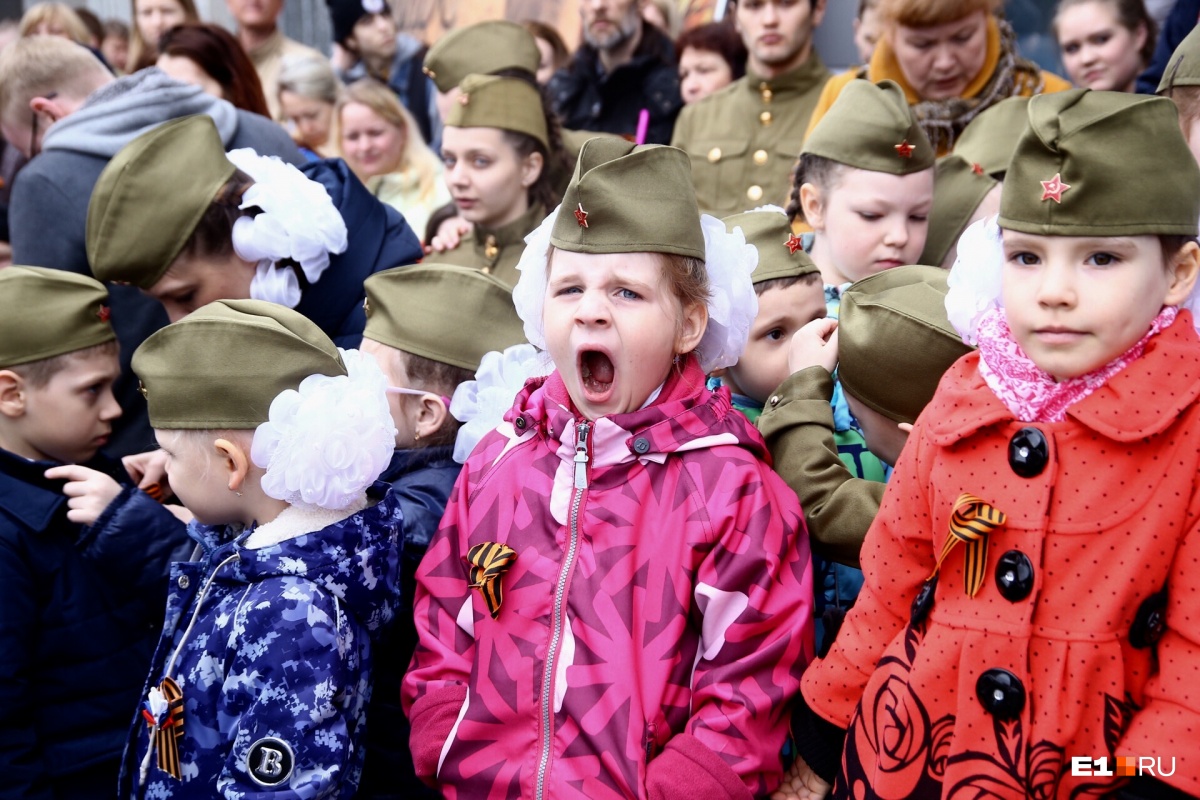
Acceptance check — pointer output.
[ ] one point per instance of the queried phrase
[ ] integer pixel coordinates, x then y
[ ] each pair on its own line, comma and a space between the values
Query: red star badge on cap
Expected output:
581, 216
793, 243
104, 313
1054, 188
977, 168
904, 149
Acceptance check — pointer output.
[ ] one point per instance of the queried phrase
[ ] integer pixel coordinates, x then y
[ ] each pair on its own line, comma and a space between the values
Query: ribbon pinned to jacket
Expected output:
489, 561
163, 711
971, 522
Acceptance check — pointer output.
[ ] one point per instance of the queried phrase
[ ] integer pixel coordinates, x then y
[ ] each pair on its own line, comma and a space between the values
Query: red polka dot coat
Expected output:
1084, 638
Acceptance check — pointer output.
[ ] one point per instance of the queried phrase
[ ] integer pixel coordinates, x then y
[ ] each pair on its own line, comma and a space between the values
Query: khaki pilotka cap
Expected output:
221, 366
450, 314
1184, 67
1101, 164
150, 197
48, 312
780, 252
485, 48
626, 198
958, 188
511, 104
990, 138
895, 341
870, 126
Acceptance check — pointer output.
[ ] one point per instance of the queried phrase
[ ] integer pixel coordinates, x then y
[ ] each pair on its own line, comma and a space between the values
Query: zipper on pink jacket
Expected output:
581, 463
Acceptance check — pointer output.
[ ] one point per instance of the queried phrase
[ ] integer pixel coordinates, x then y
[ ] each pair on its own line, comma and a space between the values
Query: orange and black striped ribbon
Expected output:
971, 521
168, 732
489, 561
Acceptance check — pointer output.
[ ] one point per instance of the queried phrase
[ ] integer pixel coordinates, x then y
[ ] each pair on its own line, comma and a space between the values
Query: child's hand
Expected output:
801, 783
449, 234
814, 345
149, 472
89, 491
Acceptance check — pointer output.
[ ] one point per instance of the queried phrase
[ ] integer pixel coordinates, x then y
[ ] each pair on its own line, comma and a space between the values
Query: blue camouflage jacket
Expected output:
271, 651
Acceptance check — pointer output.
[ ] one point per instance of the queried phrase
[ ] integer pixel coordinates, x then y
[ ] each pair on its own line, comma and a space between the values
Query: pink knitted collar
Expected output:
1029, 392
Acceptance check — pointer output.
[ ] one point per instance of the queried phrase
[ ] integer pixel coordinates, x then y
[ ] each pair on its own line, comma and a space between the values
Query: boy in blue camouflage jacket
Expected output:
260, 683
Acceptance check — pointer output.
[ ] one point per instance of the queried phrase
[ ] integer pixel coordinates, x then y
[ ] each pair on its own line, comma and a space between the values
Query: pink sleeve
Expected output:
755, 596
687, 770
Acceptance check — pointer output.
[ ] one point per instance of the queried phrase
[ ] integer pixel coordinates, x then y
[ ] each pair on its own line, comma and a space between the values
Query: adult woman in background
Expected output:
151, 19
54, 19
552, 48
710, 57
953, 58
210, 57
382, 144
308, 95
1105, 44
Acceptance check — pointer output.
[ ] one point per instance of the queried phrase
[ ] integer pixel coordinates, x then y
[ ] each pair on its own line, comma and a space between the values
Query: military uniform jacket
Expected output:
271, 650
1084, 638
496, 250
744, 139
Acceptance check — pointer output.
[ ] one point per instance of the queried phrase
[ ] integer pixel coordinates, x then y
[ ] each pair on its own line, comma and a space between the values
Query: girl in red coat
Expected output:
618, 601
1030, 622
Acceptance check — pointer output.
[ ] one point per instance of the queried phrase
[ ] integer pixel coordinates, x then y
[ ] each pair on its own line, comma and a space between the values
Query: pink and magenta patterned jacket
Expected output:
654, 607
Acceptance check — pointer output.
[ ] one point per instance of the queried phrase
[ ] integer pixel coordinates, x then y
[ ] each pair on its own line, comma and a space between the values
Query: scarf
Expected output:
1029, 392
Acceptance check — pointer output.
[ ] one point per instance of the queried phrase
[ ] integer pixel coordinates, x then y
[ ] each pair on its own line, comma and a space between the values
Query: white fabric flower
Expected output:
975, 278
298, 221
480, 405
327, 441
732, 304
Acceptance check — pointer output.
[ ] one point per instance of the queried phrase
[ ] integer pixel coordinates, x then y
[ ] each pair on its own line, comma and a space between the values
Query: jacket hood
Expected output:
356, 559
115, 114
685, 416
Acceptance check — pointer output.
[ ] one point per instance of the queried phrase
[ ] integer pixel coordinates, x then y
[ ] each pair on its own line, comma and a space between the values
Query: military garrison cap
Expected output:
450, 314
895, 341
511, 104
49, 312
222, 365
989, 139
485, 48
626, 198
780, 253
870, 126
1091, 164
1184, 67
958, 189
150, 197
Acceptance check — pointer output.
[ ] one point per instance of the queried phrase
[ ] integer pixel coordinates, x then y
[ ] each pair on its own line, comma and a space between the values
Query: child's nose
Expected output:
1056, 287
592, 309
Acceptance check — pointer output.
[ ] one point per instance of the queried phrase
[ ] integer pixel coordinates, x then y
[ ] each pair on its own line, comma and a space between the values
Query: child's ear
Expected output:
691, 328
1184, 268
812, 206
12, 394
234, 462
431, 415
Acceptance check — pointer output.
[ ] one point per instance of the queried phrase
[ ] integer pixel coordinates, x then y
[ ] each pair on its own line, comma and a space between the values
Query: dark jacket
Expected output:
48, 228
80, 612
379, 239
588, 99
422, 480
1179, 23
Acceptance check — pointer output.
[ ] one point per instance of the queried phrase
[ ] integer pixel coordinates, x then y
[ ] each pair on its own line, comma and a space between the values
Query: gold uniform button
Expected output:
774, 401
767, 95
765, 118
760, 157
754, 193
714, 155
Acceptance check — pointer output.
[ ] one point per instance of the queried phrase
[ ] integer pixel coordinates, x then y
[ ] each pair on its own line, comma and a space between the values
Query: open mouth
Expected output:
596, 373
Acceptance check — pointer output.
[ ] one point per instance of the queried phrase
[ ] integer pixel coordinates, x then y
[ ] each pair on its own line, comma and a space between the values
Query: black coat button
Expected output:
1001, 694
1014, 575
641, 445
520, 423
1150, 621
923, 601
1028, 452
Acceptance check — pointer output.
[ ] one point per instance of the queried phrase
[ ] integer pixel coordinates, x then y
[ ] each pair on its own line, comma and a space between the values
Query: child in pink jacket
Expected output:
618, 602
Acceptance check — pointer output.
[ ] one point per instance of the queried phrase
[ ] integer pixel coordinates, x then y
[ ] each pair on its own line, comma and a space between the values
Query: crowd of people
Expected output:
666, 418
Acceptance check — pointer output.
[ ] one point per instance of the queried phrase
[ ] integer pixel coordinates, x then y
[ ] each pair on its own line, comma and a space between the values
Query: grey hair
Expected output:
311, 77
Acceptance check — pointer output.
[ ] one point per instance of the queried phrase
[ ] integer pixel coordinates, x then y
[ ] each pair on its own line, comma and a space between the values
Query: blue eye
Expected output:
629, 294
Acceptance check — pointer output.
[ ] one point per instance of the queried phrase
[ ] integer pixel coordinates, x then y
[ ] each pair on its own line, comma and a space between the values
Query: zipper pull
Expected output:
581, 455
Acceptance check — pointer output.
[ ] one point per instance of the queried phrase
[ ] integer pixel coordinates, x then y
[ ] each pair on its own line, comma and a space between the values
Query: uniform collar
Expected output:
1142, 400
512, 233
799, 80
271, 46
